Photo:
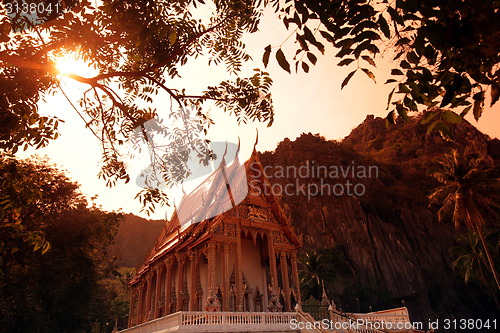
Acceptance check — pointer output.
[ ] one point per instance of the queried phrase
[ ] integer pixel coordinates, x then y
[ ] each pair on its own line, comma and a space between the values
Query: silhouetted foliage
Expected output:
471, 262
321, 268
137, 47
469, 188
31, 192
59, 290
447, 52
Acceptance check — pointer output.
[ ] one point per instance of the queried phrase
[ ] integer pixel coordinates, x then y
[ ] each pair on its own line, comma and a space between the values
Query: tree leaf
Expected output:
403, 88
302, 42
369, 60
452, 117
369, 73
309, 35
495, 93
478, 105
382, 22
389, 98
396, 71
402, 41
395, 16
465, 111
280, 56
327, 36
444, 131
312, 58
431, 127
267, 53
410, 103
431, 116
404, 64
402, 111
345, 62
305, 67
391, 117
346, 80
172, 38
413, 57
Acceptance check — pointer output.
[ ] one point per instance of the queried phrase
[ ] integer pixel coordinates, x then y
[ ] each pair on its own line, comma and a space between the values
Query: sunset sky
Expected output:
310, 102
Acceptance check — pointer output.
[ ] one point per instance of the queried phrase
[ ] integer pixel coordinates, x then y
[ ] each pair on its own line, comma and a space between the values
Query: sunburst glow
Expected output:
73, 64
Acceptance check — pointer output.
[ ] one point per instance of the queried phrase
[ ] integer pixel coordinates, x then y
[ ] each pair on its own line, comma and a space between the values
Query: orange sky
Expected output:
310, 102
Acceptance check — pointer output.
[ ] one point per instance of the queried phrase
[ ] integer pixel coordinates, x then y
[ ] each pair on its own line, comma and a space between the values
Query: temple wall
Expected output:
252, 265
204, 279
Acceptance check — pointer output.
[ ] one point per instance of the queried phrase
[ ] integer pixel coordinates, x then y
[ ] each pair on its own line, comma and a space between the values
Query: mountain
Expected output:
136, 236
398, 251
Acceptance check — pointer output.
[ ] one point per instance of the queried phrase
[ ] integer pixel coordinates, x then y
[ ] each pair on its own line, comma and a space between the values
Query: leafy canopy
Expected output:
137, 47
31, 193
446, 53
53, 252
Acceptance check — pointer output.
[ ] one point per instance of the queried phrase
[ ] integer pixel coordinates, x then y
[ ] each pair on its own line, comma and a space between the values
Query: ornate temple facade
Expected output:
241, 260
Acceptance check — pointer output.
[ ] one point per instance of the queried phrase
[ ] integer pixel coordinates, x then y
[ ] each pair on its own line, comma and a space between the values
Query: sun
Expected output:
71, 63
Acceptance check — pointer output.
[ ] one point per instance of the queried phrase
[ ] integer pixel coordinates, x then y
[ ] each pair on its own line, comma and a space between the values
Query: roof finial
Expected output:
238, 149
324, 297
256, 140
223, 159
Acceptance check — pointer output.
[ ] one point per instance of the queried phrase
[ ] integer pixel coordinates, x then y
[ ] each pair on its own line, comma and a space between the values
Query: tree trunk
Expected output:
488, 255
483, 279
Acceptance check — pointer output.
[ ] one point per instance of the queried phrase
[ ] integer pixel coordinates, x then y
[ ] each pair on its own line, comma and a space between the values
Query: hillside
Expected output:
398, 251
135, 238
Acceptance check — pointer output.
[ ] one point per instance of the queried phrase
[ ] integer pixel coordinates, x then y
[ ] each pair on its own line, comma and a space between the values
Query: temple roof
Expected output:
202, 210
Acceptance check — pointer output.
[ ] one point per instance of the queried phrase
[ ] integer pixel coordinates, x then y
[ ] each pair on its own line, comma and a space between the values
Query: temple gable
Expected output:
243, 259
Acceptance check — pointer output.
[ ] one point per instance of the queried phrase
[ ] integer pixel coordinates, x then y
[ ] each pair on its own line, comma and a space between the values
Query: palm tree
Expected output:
320, 268
469, 184
312, 274
471, 261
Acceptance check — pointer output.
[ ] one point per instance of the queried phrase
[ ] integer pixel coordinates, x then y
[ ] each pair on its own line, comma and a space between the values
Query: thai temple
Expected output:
227, 262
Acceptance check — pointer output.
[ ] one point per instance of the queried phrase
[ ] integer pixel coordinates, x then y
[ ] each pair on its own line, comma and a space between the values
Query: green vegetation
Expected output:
471, 261
446, 54
391, 237
470, 187
138, 48
55, 275
322, 268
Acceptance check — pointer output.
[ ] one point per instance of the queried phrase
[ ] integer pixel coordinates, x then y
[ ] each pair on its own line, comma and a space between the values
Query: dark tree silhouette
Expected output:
469, 183
472, 263
445, 53
138, 47
59, 290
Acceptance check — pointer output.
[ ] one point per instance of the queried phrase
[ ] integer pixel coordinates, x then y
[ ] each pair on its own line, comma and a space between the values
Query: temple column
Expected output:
272, 263
295, 276
226, 292
274, 304
140, 305
156, 312
212, 299
193, 257
169, 262
238, 272
180, 277
286, 281
131, 311
149, 290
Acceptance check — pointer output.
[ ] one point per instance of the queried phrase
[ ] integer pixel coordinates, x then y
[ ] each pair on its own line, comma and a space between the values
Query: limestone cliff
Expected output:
398, 251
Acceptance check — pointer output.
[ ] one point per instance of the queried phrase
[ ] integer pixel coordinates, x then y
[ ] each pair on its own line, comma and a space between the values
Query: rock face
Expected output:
398, 251
135, 238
